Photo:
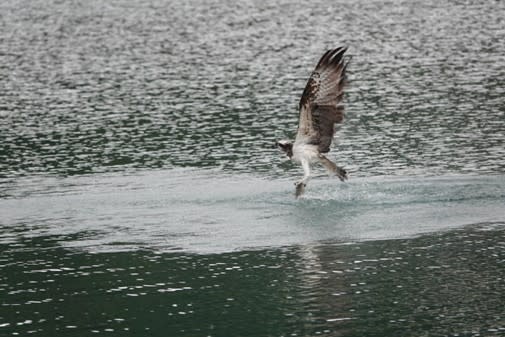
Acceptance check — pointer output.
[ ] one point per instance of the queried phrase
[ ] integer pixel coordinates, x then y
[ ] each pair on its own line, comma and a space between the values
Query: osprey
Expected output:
320, 108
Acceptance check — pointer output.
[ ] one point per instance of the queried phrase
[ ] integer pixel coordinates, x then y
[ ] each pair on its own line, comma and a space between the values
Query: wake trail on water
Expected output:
206, 211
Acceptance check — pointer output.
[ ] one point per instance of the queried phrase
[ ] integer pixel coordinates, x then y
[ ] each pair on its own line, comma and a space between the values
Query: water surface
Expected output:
141, 195
211, 212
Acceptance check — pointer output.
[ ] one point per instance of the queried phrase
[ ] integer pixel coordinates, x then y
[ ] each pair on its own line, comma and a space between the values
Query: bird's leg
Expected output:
332, 168
300, 186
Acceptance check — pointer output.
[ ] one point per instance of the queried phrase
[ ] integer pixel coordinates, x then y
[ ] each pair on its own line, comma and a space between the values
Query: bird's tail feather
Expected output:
332, 168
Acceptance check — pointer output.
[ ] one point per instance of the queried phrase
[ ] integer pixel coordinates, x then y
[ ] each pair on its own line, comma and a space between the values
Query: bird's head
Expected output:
286, 146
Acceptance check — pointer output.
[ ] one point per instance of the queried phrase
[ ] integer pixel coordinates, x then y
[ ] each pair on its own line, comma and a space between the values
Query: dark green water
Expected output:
140, 193
444, 284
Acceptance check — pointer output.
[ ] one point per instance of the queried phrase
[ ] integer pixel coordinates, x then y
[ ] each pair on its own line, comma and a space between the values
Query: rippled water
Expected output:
90, 87
444, 284
141, 194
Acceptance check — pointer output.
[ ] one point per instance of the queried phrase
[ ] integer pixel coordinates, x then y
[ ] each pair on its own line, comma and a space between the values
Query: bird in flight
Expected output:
320, 109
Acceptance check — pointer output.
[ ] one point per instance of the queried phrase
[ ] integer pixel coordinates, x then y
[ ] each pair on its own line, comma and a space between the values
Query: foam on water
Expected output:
210, 212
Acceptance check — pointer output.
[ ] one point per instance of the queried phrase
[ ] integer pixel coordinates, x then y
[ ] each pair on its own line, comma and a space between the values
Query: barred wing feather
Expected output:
320, 105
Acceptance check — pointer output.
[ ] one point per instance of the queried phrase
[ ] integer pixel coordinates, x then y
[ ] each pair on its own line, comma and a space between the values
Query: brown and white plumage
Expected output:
320, 109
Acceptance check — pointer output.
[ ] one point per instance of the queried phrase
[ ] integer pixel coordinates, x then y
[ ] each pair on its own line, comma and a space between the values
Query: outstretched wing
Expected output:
320, 105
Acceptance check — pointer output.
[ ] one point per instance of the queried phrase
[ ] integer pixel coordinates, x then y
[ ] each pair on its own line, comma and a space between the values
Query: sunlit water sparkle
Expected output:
141, 193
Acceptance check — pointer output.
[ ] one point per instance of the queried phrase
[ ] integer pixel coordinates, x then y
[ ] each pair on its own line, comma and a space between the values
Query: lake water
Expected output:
141, 193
